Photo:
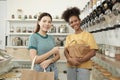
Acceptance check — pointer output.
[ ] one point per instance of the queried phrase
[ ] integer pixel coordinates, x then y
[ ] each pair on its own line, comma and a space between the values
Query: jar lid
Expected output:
99, 67
103, 70
106, 73
114, 78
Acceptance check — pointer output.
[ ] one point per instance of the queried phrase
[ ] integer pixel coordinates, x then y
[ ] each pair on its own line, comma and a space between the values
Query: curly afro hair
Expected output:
72, 11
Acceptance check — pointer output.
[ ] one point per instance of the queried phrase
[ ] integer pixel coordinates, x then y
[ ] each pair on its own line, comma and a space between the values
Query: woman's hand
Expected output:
55, 50
45, 63
74, 61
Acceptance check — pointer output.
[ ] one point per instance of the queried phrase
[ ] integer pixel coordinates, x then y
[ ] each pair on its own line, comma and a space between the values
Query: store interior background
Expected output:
107, 40
32, 7
54, 7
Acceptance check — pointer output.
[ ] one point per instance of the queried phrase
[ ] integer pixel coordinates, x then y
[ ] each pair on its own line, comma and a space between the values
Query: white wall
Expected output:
31, 7
3, 14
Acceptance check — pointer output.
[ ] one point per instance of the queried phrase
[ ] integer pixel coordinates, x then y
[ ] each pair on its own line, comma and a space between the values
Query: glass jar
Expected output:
103, 48
13, 16
17, 41
11, 29
117, 53
112, 52
30, 29
100, 48
116, 11
106, 50
19, 13
23, 29
26, 41
53, 29
63, 29
30, 16
25, 17
18, 29
13, 41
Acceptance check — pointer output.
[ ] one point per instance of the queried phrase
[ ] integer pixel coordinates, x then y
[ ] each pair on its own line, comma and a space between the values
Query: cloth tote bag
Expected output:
30, 74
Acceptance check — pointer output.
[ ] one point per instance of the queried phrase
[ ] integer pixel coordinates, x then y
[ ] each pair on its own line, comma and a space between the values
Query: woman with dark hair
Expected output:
43, 47
78, 67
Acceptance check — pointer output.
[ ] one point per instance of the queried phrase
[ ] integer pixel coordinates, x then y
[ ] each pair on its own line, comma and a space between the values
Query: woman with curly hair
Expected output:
78, 67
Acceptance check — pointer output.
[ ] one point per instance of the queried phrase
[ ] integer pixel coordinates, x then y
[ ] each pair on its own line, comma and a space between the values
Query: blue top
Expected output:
41, 43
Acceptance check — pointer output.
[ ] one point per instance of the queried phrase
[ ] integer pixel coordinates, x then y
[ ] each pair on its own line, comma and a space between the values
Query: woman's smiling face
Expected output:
45, 23
74, 22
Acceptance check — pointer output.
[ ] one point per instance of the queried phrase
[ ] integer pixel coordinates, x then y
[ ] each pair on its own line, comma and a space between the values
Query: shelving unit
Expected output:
109, 60
110, 64
21, 30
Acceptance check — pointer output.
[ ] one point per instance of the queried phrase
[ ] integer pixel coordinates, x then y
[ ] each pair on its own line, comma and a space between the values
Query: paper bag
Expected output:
34, 75
78, 50
30, 74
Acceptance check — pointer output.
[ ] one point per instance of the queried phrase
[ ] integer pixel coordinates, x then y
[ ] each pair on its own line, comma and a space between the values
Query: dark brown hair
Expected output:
39, 18
72, 11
